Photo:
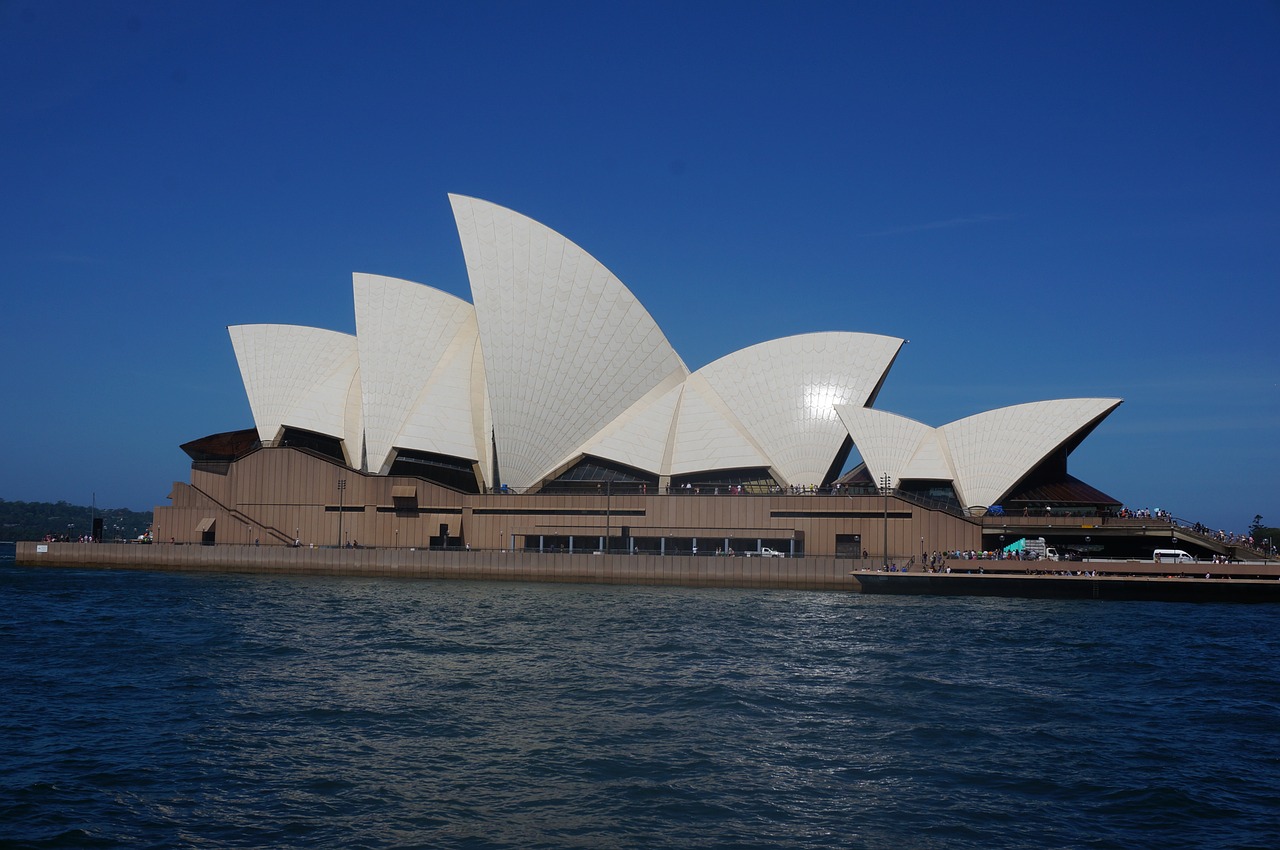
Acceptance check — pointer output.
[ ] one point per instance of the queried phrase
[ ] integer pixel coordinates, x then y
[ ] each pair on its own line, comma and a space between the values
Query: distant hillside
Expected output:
35, 520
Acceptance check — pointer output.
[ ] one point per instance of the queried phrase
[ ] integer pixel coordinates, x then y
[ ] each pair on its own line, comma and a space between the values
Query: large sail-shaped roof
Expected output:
567, 347
983, 455
417, 346
557, 360
889, 444
783, 393
300, 377
992, 450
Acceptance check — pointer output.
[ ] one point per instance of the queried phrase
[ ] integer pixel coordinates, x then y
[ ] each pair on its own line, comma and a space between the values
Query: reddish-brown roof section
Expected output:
228, 445
1068, 491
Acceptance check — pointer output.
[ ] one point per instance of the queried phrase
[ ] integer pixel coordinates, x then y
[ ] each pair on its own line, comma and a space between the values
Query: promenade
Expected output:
810, 573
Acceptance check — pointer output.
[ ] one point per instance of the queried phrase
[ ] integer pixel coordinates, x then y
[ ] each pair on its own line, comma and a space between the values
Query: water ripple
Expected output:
157, 710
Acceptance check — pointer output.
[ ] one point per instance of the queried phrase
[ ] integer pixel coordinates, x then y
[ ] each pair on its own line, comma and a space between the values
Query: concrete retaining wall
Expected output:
812, 573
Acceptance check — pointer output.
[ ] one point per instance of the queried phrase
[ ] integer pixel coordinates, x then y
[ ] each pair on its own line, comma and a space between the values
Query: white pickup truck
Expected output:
766, 552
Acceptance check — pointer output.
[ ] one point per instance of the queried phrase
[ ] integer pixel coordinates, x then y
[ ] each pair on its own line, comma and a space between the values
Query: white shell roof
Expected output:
557, 359
641, 437
708, 436
300, 377
889, 443
784, 392
417, 347
567, 348
983, 455
991, 451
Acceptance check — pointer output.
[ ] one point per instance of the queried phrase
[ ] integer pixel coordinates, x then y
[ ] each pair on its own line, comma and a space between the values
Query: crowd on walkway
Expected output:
688, 489
1230, 538
1145, 513
985, 555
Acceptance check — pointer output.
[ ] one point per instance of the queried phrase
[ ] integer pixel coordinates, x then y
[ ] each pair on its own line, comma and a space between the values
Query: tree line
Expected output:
38, 520
1263, 533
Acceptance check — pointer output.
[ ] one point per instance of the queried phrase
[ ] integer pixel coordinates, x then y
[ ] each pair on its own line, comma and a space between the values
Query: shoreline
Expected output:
810, 573
1241, 582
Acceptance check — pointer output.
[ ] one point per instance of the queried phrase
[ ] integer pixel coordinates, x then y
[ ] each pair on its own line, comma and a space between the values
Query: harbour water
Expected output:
142, 709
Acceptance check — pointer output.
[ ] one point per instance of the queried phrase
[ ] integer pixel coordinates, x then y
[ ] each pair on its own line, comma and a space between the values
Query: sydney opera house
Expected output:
550, 413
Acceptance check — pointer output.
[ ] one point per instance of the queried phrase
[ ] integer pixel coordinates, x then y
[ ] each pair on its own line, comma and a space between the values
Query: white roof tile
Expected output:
559, 335
992, 451
783, 393
300, 377
416, 349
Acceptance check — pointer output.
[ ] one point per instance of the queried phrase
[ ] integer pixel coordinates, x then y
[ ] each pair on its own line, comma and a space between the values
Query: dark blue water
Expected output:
164, 710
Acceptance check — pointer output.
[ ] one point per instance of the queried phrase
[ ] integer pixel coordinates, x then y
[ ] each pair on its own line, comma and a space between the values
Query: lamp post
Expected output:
608, 511
342, 487
884, 488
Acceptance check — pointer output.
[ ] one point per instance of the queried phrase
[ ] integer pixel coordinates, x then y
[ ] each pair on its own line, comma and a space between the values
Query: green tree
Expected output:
1264, 536
36, 520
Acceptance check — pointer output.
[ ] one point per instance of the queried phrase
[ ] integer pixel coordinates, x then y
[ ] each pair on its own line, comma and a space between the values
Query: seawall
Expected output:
811, 573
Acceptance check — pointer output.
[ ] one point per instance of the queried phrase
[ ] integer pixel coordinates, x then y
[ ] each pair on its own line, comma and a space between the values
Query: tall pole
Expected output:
342, 487
884, 488
608, 512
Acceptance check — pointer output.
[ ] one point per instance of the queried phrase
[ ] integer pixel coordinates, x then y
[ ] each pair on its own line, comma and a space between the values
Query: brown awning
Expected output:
206, 524
404, 491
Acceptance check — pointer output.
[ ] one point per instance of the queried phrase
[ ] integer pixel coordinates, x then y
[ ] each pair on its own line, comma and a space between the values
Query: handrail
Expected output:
929, 504
236, 513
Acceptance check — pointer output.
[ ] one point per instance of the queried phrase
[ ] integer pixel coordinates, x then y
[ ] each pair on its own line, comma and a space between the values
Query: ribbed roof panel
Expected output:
992, 451
416, 345
567, 347
784, 393
886, 441
298, 377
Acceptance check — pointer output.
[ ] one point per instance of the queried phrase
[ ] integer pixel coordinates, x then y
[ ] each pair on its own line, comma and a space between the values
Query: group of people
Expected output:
1145, 513
985, 555
67, 538
1231, 537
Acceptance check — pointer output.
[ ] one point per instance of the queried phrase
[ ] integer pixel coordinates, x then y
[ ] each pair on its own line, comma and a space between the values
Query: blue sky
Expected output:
1048, 200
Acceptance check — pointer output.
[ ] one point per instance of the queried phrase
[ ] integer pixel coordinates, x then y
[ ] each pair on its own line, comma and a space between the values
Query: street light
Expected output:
884, 488
608, 509
342, 486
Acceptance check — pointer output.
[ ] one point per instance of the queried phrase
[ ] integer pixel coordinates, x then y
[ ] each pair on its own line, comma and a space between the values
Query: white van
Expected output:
1172, 556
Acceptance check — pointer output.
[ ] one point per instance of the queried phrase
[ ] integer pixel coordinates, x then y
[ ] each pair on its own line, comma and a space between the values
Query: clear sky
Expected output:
1048, 199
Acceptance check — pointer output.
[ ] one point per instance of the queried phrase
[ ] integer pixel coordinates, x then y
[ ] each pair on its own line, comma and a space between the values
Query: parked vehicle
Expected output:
1172, 556
766, 552
1036, 547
